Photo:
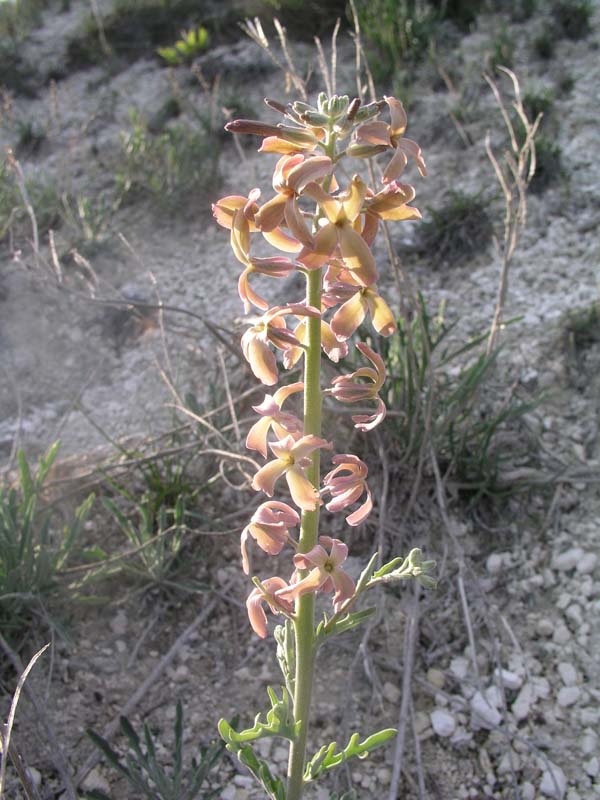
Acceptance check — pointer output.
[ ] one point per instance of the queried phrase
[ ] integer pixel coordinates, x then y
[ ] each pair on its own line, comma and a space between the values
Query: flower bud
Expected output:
252, 126
365, 150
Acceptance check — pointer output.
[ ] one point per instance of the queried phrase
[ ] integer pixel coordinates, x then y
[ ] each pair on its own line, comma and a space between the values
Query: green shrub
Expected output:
502, 50
572, 18
33, 549
457, 231
191, 44
145, 772
439, 395
544, 43
176, 165
398, 33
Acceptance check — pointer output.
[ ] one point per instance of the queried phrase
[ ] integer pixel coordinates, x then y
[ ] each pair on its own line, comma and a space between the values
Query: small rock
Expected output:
510, 680
229, 792
568, 696
494, 696
391, 692
483, 715
545, 627
35, 776
384, 776
589, 717
422, 722
587, 563
573, 613
561, 634
459, 667
119, 623
245, 781
436, 677
527, 791
443, 723
510, 761
280, 754
592, 767
524, 700
573, 795
95, 781
568, 673
588, 742
541, 687
563, 562
243, 674
554, 782
495, 563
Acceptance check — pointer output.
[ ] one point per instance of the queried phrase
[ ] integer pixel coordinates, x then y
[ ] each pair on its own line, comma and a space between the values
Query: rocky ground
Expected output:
506, 683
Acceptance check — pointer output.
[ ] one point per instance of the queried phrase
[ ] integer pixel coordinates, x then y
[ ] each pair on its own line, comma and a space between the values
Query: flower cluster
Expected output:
324, 231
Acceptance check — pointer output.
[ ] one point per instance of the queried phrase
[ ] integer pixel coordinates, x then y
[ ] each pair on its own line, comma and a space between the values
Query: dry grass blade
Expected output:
6, 731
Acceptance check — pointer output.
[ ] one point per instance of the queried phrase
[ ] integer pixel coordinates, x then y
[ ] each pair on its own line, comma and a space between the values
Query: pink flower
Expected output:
373, 137
275, 267
291, 175
332, 346
269, 527
338, 232
266, 594
272, 417
271, 329
348, 389
346, 489
325, 573
292, 457
357, 301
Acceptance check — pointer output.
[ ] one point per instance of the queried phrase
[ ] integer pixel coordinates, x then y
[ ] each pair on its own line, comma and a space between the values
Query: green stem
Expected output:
305, 606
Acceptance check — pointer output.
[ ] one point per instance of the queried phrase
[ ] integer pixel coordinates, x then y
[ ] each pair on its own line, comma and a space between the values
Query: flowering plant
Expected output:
325, 233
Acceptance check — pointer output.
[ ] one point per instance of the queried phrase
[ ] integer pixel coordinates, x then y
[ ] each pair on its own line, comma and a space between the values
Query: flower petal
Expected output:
264, 480
257, 436
349, 316
304, 494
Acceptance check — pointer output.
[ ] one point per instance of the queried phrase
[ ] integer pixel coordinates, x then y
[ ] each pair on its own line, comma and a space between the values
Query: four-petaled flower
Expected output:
272, 417
338, 232
374, 137
325, 574
292, 458
266, 594
269, 527
349, 389
345, 489
357, 301
271, 328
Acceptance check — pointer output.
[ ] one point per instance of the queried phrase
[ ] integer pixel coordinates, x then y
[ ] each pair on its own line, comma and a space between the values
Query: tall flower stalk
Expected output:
326, 233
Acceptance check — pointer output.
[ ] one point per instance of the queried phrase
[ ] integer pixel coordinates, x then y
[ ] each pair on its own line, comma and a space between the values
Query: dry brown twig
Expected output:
514, 177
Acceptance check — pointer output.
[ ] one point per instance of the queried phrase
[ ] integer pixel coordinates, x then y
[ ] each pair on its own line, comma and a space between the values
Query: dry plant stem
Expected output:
410, 638
305, 606
112, 727
58, 757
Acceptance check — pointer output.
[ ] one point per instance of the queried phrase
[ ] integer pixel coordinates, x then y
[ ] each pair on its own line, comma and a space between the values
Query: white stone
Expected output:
119, 623
229, 792
95, 780
436, 677
554, 782
483, 715
510, 680
589, 717
508, 762
573, 613
588, 742
545, 627
422, 722
541, 687
527, 791
523, 702
592, 767
245, 781
568, 696
495, 563
494, 696
568, 673
459, 667
280, 754
35, 776
561, 634
442, 722
391, 692
567, 560
587, 563
384, 776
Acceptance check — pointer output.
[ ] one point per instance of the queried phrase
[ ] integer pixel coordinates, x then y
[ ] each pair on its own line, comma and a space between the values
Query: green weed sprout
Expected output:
191, 44
324, 227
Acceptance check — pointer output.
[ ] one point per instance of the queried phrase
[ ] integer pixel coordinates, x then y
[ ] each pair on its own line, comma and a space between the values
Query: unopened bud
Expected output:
252, 126
365, 150
369, 111
295, 135
353, 108
276, 106
315, 118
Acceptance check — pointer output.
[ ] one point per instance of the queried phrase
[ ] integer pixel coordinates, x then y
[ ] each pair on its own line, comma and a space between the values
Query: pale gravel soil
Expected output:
533, 610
